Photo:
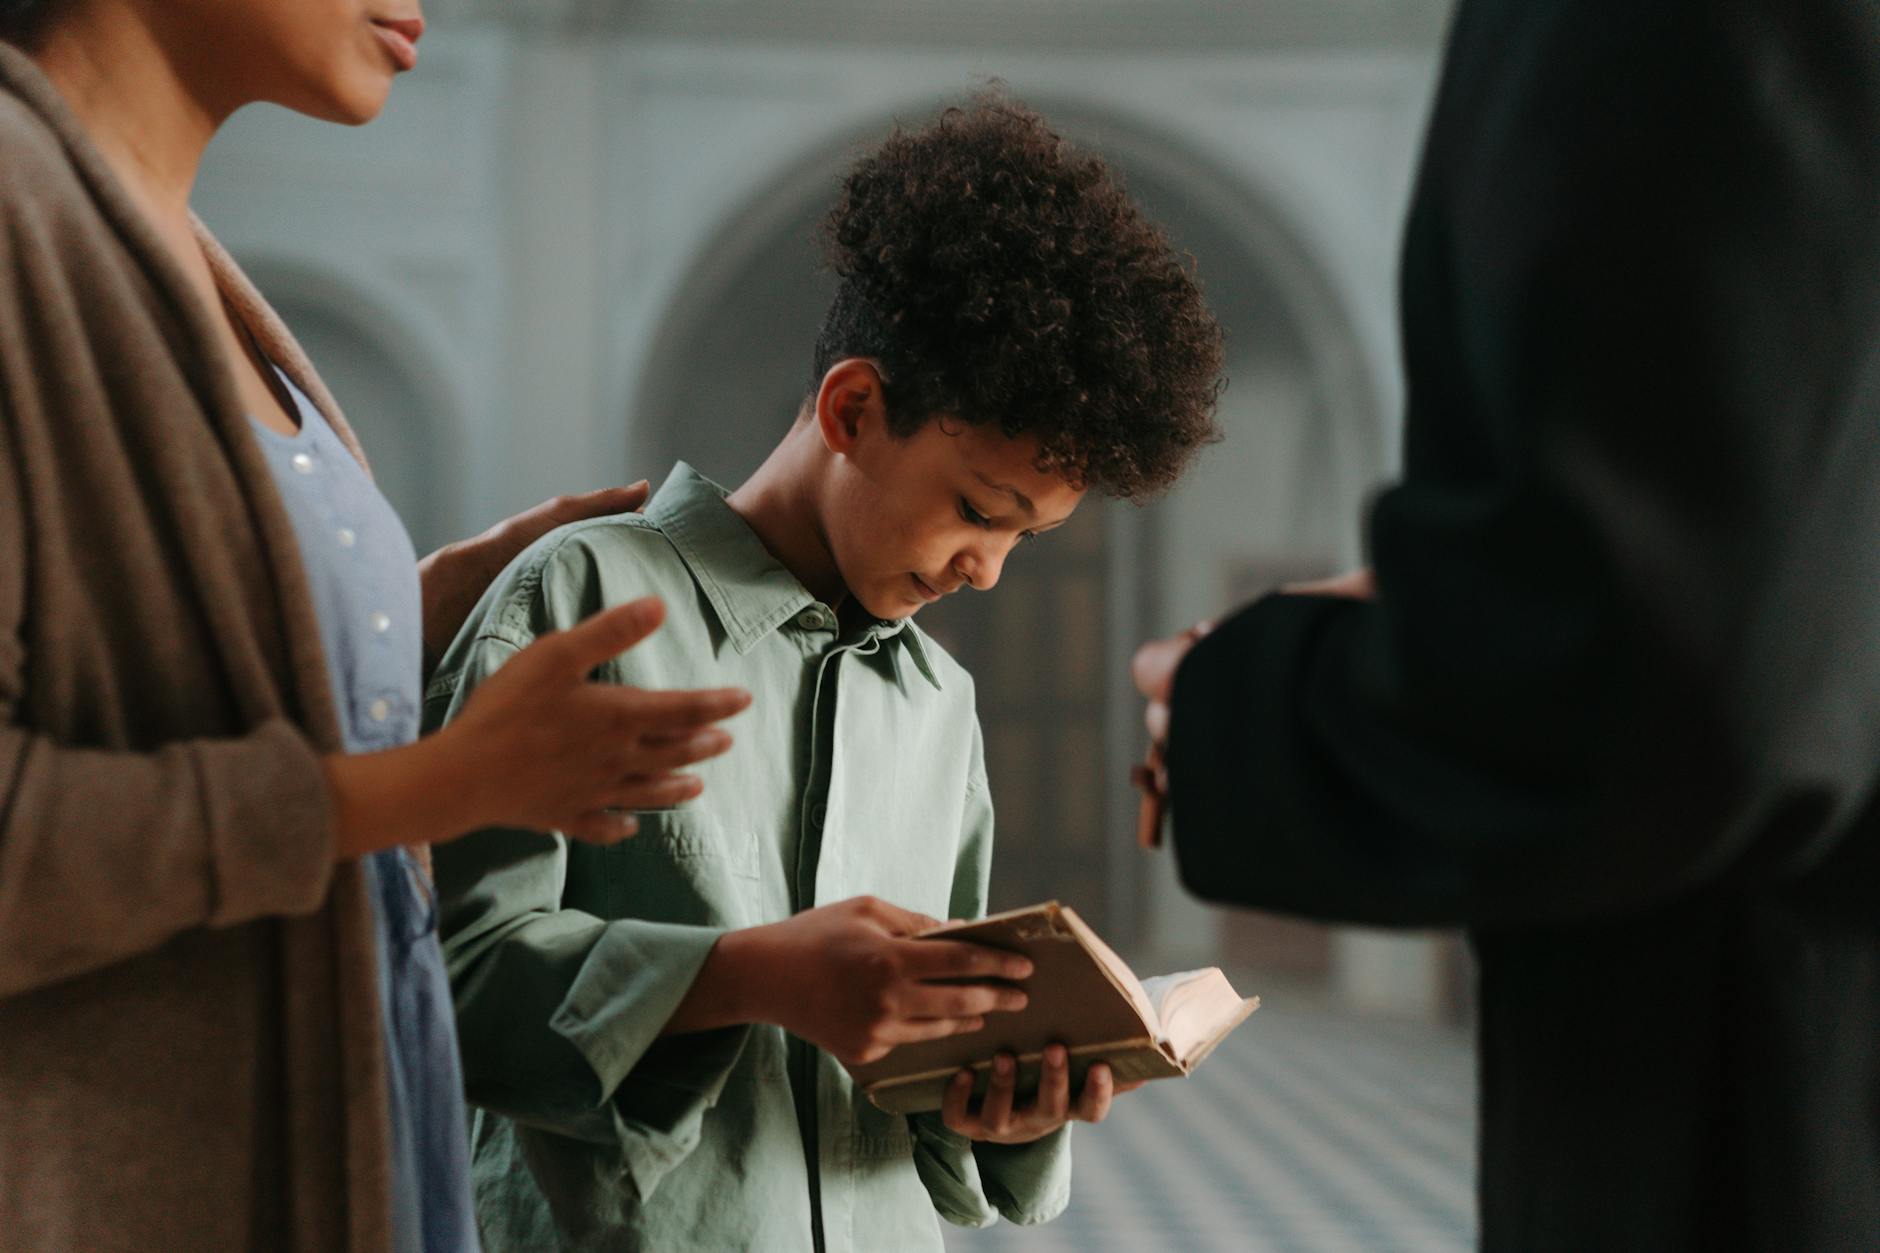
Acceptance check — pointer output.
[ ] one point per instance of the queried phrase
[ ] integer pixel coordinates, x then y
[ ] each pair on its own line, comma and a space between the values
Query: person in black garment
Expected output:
1613, 701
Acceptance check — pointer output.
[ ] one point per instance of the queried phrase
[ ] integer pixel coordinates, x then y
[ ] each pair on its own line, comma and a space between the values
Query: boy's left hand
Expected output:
1000, 1121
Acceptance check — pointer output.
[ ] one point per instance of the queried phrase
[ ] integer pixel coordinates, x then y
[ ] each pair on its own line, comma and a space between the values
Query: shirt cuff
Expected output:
1028, 1183
947, 1170
971, 1184
658, 1089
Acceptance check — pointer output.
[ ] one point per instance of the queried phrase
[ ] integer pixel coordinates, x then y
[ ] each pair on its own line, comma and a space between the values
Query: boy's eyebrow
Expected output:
1024, 501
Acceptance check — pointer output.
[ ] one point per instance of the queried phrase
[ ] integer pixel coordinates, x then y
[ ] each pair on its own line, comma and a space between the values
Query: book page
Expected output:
1157, 988
1193, 1009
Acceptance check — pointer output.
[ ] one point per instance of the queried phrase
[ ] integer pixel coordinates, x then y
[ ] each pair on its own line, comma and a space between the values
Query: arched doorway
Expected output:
1277, 499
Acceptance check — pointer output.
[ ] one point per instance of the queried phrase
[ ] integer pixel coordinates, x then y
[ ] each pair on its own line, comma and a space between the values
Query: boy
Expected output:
653, 1030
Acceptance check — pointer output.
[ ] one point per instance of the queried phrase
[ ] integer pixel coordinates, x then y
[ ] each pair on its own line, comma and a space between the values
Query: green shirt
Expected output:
858, 770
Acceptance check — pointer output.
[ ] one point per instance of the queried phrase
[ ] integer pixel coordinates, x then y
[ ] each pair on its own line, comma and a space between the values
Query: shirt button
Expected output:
380, 709
812, 619
381, 622
346, 537
303, 462
817, 813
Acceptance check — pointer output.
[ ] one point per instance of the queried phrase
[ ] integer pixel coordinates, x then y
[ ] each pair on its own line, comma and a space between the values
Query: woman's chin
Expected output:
364, 106
355, 101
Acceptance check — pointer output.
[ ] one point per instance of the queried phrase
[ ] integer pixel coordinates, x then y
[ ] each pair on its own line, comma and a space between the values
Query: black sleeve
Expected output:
1627, 642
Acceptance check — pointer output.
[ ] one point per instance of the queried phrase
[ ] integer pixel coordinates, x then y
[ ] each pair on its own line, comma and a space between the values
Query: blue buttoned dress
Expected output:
363, 577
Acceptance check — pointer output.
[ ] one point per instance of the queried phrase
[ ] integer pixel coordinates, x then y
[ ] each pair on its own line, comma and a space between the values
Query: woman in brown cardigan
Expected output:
191, 1047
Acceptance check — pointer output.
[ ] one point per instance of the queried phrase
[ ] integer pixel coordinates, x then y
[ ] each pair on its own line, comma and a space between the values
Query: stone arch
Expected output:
1256, 222
727, 363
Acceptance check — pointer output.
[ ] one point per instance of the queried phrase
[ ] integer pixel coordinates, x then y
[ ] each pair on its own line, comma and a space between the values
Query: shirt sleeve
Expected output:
1623, 649
971, 1183
559, 1011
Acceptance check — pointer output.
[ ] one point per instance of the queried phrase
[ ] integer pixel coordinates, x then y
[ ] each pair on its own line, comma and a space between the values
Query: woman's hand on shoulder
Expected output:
456, 575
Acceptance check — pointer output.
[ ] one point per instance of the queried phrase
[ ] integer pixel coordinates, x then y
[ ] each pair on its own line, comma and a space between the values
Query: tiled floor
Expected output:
1305, 1133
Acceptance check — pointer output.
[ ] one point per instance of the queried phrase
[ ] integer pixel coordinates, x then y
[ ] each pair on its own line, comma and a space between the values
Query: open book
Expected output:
1082, 996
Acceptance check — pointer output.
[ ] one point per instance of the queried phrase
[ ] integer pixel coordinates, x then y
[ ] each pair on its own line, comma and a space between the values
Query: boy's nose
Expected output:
980, 567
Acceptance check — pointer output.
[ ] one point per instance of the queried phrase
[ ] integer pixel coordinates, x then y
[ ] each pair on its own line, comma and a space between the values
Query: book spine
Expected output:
1129, 1060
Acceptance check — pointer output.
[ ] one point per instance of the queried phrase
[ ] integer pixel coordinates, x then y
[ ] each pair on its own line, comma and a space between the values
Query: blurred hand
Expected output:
1353, 585
457, 574
1153, 669
851, 980
1001, 1121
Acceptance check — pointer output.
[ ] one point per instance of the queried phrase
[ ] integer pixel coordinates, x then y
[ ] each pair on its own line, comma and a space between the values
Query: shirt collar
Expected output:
749, 590
915, 641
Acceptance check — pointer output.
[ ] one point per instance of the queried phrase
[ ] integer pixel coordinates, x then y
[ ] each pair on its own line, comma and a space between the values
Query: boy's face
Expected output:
917, 518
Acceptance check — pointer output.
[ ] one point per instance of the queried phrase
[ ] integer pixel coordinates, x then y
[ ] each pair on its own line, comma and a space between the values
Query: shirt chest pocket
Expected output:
685, 868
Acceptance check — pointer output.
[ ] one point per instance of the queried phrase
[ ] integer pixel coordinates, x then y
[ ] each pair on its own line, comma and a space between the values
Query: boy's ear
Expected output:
850, 404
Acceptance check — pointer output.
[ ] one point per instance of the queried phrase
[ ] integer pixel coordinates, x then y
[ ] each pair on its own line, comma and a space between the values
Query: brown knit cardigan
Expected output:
190, 1050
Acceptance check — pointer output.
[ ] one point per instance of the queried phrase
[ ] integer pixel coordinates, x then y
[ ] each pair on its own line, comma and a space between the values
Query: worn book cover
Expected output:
1083, 996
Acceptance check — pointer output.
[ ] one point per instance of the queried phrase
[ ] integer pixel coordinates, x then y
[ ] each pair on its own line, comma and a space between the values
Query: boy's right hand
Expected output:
851, 979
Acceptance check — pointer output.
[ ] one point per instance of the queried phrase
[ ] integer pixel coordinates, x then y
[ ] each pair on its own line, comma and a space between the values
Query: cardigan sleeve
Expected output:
106, 854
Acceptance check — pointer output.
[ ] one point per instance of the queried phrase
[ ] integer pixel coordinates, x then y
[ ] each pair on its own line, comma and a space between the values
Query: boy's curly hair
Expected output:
1001, 276
18, 18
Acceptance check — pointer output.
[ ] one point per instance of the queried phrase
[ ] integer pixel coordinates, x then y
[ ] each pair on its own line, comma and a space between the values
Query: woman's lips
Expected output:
400, 37
925, 590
